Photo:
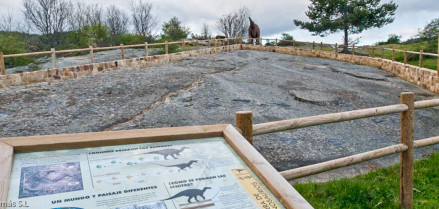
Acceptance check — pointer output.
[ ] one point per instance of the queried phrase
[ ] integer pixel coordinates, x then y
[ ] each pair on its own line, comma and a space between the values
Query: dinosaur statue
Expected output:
253, 32
191, 193
180, 166
168, 152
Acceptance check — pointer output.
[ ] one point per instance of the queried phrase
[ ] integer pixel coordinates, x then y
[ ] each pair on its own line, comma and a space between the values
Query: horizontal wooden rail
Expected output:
270, 127
134, 45
426, 142
342, 162
156, 44
106, 48
427, 103
412, 52
27, 54
73, 50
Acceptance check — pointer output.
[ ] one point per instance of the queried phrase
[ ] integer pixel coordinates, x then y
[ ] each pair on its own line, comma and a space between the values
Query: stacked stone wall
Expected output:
425, 78
96, 68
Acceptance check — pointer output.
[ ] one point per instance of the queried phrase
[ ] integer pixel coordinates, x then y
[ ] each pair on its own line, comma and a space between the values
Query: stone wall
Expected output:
93, 69
425, 78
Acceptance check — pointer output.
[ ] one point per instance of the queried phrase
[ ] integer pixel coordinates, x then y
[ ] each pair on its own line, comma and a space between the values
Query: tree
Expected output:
49, 17
286, 36
349, 16
394, 39
235, 23
94, 14
11, 44
7, 22
430, 31
85, 15
205, 34
143, 20
116, 21
173, 30
89, 35
78, 17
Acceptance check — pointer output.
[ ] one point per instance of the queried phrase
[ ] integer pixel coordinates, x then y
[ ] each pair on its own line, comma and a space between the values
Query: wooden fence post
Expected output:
228, 42
2, 64
313, 45
244, 122
122, 55
182, 46
420, 58
146, 49
275, 42
91, 55
353, 49
166, 47
405, 56
406, 157
373, 51
393, 54
321, 46
336, 49
53, 58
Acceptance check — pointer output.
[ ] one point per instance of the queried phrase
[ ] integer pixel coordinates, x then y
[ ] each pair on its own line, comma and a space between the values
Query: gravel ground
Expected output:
210, 89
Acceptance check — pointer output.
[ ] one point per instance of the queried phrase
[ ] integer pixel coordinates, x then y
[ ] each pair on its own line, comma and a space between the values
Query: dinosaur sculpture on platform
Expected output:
253, 32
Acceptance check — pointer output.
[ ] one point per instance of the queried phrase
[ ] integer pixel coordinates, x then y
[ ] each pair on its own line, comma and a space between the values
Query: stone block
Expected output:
14, 79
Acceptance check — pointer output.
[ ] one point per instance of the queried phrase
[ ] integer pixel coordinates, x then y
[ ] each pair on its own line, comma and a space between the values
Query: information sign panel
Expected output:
196, 168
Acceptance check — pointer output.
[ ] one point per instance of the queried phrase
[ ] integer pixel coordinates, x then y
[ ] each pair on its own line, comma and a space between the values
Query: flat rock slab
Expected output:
210, 89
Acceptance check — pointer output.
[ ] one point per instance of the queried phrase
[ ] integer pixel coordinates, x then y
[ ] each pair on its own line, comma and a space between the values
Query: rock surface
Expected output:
210, 89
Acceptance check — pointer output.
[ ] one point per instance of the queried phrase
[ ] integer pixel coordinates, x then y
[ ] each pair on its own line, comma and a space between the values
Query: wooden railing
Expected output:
371, 50
222, 42
91, 49
406, 147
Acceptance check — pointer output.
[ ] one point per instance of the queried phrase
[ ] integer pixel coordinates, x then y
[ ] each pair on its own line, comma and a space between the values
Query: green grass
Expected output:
429, 62
378, 189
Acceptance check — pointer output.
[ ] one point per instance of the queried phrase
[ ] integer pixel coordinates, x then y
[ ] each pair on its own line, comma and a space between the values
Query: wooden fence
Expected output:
222, 42
146, 45
367, 50
406, 147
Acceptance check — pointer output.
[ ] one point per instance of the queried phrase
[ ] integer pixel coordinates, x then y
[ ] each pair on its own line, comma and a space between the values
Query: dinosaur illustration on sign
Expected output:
239, 170
168, 152
191, 193
181, 166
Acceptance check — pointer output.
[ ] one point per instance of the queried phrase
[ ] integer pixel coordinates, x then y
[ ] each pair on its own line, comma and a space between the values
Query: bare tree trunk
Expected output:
346, 41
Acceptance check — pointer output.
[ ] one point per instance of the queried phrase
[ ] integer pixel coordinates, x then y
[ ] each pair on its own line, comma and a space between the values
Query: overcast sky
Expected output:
273, 17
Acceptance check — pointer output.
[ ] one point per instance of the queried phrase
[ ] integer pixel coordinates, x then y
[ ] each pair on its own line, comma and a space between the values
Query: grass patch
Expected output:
429, 62
378, 189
